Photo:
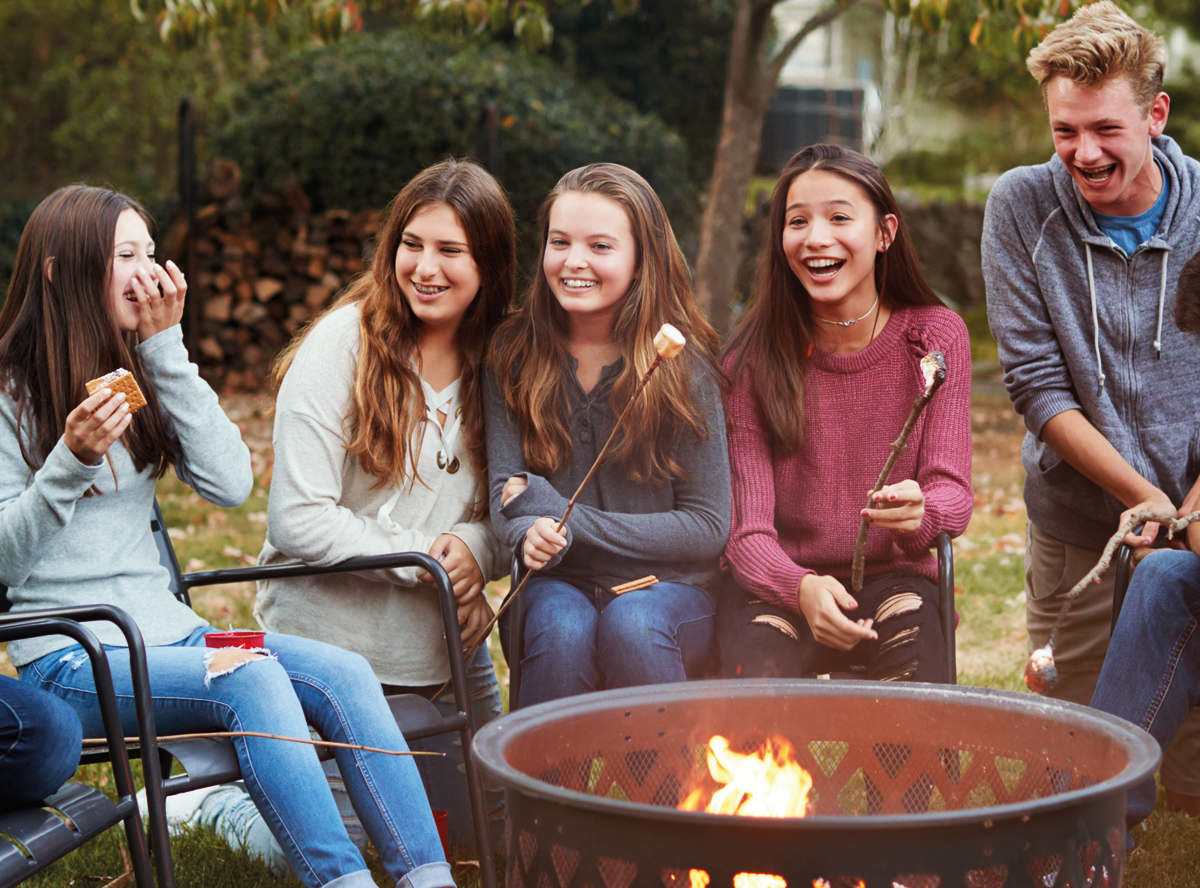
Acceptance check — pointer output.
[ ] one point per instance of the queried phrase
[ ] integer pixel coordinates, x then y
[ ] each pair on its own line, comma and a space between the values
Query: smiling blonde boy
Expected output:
1081, 258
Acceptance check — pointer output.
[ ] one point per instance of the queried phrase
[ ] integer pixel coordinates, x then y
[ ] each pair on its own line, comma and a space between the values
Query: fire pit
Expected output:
911, 785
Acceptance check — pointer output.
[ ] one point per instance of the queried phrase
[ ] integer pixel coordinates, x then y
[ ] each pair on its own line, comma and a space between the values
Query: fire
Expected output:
768, 783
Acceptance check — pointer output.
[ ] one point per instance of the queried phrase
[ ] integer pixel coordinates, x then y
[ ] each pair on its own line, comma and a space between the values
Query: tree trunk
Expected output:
749, 85
745, 107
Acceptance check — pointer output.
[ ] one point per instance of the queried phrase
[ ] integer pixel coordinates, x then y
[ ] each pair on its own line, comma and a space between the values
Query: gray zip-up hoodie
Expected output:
1080, 325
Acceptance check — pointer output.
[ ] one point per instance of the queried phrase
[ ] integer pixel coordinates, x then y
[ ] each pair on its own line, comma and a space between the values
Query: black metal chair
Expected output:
34, 837
1123, 572
513, 627
209, 762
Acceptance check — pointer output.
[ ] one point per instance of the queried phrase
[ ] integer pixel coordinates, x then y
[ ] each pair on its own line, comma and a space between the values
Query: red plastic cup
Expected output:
442, 819
235, 638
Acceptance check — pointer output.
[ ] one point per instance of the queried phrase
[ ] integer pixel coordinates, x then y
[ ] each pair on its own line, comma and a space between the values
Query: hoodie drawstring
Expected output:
1095, 318
1162, 298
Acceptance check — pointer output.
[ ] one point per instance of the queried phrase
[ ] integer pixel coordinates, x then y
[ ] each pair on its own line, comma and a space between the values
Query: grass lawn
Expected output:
991, 639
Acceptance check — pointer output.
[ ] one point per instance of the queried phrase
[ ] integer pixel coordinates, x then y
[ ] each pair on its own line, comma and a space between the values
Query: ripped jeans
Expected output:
759, 640
303, 682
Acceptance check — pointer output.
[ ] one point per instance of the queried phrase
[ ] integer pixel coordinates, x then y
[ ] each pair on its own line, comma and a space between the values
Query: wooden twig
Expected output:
1172, 522
933, 381
1041, 671
217, 735
668, 343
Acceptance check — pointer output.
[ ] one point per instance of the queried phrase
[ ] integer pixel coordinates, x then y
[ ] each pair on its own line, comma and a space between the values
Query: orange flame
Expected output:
764, 784
768, 783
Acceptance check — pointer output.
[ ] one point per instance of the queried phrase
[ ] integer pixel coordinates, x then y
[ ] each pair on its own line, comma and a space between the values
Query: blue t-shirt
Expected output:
1130, 232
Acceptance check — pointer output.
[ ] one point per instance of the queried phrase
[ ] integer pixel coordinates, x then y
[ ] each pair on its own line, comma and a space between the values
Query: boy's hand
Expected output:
899, 507
96, 424
1159, 502
542, 542
822, 602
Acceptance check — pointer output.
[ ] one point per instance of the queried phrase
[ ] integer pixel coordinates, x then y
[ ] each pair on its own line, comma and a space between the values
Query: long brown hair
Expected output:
775, 334
56, 330
388, 406
529, 354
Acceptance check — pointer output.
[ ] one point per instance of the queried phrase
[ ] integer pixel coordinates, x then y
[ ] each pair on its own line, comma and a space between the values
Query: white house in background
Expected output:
827, 88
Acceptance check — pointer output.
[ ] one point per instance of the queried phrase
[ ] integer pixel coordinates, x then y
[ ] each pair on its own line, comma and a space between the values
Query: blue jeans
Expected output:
1151, 675
39, 744
232, 815
304, 682
577, 641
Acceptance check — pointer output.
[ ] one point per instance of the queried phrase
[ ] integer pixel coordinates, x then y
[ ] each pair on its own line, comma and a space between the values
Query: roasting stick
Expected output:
217, 735
933, 372
1041, 672
668, 344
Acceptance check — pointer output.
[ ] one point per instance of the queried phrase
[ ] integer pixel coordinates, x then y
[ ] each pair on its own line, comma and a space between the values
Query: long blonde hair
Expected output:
388, 406
529, 353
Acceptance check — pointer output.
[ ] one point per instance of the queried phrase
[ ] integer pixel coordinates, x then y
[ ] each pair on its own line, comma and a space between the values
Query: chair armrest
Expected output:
286, 570
69, 621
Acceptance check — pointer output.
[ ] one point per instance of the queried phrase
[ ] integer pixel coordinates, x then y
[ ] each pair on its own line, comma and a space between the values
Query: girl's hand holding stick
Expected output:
933, 373
668, 344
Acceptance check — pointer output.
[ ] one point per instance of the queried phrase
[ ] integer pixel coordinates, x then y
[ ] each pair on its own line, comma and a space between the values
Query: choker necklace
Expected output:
852, 321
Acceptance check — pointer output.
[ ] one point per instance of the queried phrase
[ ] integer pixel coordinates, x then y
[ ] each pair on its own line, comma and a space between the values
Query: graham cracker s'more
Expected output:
120, 380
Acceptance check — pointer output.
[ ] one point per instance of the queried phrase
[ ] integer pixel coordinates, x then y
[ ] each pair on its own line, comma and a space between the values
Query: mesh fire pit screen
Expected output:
918, 786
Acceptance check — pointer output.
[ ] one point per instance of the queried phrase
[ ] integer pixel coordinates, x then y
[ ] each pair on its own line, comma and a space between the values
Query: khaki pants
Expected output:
1052, 567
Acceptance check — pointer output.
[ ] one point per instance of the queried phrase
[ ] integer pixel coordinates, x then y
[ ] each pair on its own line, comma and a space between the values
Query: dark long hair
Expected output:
56, 331
530, 351
388, 405
774, 337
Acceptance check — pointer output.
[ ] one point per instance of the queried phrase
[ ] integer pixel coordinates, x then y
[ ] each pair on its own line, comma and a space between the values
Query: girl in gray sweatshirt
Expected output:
657, 510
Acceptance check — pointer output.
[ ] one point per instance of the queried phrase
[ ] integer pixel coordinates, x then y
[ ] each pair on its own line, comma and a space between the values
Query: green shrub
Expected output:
646, 53
350, 123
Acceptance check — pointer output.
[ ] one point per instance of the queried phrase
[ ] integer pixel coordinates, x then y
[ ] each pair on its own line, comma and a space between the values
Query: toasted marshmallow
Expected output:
668, 342
933, 371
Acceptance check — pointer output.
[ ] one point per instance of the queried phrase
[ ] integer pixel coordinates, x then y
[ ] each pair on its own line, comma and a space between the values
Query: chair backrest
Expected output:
166, 555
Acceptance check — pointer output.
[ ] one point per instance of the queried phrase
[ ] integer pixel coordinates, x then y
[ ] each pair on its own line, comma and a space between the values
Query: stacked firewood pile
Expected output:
256, 278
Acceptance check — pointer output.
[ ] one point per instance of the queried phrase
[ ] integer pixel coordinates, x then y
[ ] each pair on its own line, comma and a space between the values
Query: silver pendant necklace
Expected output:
852, 321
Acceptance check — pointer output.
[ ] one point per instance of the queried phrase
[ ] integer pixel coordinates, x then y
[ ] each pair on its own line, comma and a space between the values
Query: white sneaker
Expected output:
181, 807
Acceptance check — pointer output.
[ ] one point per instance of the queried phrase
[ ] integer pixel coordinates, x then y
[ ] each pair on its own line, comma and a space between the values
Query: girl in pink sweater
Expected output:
823, 370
